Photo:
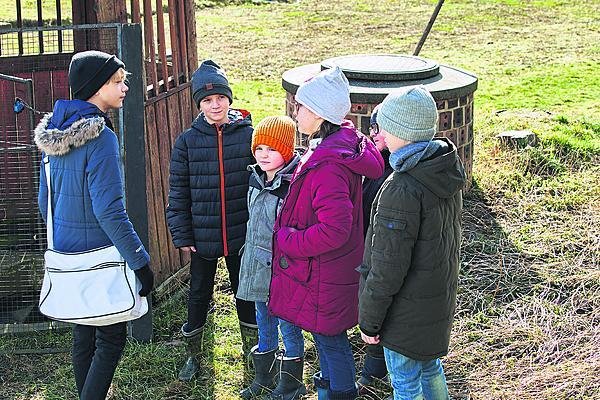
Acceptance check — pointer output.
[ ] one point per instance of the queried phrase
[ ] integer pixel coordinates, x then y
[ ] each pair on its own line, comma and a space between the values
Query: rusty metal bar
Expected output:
40, 22
428, 28
161, 38
150, 51
19, 25
136, 17
175, 53
59, 23
183, 37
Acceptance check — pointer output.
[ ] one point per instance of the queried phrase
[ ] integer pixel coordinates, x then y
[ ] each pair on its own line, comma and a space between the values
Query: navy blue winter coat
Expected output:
208, 184
87, 187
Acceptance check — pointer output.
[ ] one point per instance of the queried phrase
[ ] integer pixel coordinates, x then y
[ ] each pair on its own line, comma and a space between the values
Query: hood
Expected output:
71, 124
443, 172
350, 148
236, 118
285, 173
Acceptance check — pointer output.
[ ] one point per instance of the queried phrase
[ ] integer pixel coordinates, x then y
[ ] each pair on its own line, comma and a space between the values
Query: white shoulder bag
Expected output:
93, 287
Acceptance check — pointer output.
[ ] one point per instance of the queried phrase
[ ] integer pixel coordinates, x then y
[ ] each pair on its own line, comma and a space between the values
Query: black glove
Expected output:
146, 278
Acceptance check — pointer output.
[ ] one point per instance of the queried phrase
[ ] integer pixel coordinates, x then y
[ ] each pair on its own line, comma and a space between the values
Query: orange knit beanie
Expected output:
278, 133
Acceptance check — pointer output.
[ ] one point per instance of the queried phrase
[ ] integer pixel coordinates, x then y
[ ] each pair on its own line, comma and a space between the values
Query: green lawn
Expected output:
529, 298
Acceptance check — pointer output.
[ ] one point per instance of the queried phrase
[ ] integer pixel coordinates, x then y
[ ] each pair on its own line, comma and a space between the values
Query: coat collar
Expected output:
57, 142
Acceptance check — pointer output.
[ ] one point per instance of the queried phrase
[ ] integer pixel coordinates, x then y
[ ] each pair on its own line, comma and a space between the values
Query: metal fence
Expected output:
22, 233
33, 75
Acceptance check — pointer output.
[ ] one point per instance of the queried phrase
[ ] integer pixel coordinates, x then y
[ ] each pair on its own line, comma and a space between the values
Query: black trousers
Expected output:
95, 355
202, 284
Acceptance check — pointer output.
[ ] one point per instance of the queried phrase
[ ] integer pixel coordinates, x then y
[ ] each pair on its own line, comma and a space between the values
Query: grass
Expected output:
29, 12
529, 293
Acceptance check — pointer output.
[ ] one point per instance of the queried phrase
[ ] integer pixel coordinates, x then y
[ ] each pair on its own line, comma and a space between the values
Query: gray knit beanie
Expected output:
210, 79
410, 114
327, 95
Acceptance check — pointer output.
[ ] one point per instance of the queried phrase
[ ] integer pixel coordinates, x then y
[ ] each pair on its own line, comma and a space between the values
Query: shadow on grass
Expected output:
519, 318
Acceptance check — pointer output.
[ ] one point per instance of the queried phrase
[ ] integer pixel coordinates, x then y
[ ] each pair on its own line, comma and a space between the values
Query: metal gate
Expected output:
22, 232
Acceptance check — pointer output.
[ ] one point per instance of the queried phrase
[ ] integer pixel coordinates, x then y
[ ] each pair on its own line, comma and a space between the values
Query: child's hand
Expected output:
188, 249
369, 339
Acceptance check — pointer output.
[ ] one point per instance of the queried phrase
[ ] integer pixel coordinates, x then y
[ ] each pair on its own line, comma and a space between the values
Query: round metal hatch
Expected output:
384, 67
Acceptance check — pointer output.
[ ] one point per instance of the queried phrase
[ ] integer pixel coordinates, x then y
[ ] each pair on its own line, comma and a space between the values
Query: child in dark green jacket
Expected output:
411, 260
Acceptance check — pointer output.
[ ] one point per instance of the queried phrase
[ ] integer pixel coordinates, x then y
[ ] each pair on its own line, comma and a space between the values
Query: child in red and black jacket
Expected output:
207, 211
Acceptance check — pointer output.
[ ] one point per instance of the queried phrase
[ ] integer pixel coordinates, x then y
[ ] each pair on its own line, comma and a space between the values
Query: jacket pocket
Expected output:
388, 233
263, 256
392, 223
262, 271
299, 269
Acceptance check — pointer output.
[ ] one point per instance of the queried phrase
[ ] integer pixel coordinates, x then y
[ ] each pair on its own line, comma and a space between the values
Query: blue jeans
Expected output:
416, 380
95, 355
336, 361
268, 336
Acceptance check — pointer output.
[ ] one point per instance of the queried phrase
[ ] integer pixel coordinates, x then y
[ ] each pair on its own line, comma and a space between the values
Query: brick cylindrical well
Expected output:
373, 76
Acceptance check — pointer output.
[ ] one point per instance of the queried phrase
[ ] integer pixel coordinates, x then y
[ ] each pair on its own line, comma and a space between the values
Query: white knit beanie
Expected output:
410, 114
327, 95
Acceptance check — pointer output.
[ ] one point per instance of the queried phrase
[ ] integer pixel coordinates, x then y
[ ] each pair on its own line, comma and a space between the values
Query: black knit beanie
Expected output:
89, 71
209, 79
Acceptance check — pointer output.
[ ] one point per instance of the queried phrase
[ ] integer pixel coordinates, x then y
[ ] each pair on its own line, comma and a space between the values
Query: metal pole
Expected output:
428, 28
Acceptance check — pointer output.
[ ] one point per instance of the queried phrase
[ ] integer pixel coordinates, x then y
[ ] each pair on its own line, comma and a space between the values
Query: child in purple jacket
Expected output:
318, 236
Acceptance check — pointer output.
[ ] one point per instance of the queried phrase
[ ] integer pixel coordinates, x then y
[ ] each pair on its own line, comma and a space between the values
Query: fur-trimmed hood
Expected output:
71, 124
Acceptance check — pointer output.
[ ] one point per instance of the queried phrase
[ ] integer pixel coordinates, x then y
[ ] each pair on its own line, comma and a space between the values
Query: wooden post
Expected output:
192, 47
135, 154
110, 11
99, 11
96, 12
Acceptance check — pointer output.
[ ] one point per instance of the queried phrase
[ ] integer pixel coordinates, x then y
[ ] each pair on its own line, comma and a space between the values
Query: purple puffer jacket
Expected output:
318, 240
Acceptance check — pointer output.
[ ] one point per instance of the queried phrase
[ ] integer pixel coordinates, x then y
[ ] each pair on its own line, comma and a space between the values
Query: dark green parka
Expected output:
411, 260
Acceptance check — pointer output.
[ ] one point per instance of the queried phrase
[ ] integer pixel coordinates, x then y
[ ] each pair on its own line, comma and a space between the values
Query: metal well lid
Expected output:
384, 67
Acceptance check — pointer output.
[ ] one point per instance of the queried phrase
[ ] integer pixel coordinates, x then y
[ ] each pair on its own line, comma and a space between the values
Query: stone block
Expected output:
518, 139
365, 122
458, 117
359, 108
450, 134
445, 121
353, 118
468, 113
463, 138
452, 103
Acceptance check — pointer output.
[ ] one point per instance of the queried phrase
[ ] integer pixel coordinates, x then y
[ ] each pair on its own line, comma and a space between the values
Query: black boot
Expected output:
193, 343
290, 385
249, 333
266, 374
373, 368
